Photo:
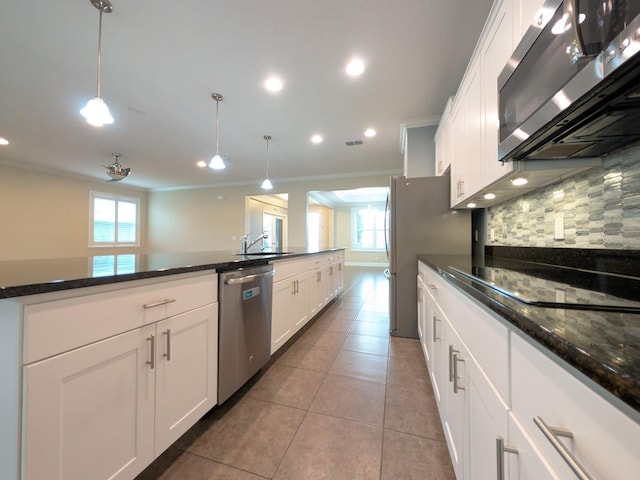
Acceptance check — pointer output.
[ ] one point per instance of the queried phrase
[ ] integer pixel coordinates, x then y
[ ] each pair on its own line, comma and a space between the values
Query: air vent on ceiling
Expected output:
354, 142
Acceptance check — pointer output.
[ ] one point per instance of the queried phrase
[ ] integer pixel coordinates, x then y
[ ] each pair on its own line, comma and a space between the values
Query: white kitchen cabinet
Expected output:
467, 121
105, 408
282, 324
186, 372
529, 14
528, 463
605, 440
495, 52
89, 413
442, 140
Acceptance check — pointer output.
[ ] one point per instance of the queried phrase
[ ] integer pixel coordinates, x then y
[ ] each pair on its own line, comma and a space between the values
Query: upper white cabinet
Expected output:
467, 137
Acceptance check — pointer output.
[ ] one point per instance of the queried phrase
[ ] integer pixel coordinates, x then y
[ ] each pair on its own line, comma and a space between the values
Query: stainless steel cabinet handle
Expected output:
552, 434
451, 350
435, 334
318, 276
152, 362
167, 332
456, 387
248, 278
161, 302
500, 450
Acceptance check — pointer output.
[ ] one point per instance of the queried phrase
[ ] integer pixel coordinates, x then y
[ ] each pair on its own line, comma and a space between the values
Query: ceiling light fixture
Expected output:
316, 139
115, 170
266, 185
489, 196
273, 84
4, 141
96, 111
370, 132
201, 163
216, 162
471, 205
355, 68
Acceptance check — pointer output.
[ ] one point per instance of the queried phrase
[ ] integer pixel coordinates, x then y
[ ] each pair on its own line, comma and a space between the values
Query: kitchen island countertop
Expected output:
29, 277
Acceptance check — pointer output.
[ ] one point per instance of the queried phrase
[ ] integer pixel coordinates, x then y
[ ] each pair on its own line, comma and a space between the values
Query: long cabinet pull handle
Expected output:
501, 448
456, 387
161, 302
152, 361
167, 332
552, 434
435, 333
451, 363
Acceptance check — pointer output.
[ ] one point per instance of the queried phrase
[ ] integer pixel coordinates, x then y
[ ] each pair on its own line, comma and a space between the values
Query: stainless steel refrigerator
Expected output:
419, 222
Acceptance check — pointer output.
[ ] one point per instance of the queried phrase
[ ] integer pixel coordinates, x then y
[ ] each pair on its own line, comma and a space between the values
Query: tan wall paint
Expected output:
197, 220
47, 216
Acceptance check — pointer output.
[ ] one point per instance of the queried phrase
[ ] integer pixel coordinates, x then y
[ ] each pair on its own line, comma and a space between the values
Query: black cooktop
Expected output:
553, 286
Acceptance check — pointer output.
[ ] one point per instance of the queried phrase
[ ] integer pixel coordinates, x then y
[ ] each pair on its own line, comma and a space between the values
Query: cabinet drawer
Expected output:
605, 440
56, 326
290, 268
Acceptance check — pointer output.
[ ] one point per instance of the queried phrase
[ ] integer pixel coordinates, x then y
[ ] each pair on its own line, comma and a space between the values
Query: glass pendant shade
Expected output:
217, 163
266, 185
97, 113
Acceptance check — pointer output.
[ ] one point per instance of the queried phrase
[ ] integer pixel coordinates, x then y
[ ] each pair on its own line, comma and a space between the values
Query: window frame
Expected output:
354, 210
93, 195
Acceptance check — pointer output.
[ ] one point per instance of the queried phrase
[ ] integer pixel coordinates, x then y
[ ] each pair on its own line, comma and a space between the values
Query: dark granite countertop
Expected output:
29, 277
604, 345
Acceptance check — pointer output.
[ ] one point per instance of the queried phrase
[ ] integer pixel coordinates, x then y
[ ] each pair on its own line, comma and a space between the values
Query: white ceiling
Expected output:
161, 61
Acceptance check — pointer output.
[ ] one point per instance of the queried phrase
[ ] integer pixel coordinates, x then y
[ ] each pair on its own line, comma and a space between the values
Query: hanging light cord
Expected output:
217, 124
99, 52
267, 138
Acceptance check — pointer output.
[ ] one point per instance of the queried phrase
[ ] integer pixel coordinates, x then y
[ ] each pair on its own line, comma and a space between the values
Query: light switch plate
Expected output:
559, 227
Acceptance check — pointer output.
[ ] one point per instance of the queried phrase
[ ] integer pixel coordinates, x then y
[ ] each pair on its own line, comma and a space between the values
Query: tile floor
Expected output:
343, 401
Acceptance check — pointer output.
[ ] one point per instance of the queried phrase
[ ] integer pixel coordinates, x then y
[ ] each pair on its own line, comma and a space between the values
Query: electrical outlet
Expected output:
492, 235
559, 227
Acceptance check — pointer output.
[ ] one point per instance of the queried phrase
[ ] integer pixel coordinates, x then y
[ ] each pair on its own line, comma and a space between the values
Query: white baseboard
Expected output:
365, 264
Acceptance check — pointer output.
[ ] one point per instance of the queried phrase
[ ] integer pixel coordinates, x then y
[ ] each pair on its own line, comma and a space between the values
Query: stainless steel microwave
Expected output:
572, 87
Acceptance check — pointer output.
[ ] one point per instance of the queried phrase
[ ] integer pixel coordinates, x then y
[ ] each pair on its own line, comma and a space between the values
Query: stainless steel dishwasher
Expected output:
244, 338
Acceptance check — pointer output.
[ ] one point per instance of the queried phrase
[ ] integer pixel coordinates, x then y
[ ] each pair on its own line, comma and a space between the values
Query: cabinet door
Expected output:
315, 299
495, 53
421, 314
439, 356
186, 372
487, 418
301, 301
456, 399
89, 412
282, 312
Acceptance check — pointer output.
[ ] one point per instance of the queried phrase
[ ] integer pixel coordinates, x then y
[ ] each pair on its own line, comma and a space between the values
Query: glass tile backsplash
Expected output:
600, 209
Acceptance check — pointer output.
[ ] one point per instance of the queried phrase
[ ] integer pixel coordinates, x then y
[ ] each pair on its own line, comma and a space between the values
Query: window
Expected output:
368, 228
114, 220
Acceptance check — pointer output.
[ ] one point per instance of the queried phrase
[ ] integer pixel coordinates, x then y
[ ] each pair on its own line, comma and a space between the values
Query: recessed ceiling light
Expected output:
201, 163
471, 205
519, 181
355, 67
273, 84
490, 196
370, 132
4, 141
316, 139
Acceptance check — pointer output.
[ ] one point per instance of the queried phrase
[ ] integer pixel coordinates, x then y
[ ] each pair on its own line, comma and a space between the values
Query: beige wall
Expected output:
45, 216
213, 218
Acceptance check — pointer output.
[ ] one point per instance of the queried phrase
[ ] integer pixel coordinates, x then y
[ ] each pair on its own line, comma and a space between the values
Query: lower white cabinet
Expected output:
302, 287
496, 388
89, 413
107, 409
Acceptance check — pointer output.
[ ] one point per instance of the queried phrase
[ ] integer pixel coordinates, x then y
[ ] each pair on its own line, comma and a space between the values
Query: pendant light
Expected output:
96, 111
216, 162
266, 185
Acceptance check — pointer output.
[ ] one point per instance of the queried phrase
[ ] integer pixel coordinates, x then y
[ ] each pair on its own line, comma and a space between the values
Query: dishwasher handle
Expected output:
248, 278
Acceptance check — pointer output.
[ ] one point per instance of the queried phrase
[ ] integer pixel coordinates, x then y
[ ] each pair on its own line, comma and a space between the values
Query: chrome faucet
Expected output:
245, 241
